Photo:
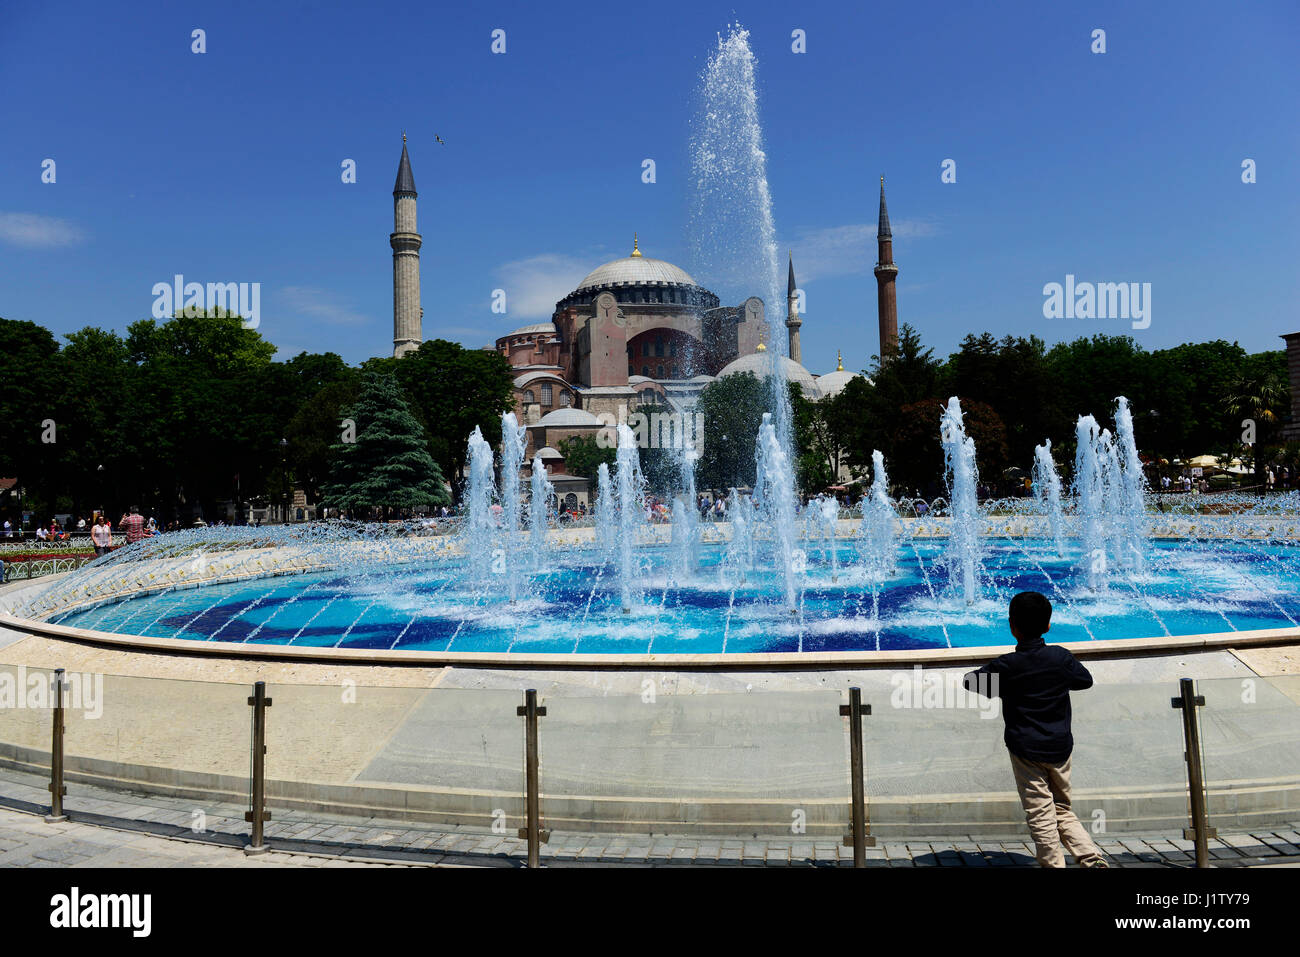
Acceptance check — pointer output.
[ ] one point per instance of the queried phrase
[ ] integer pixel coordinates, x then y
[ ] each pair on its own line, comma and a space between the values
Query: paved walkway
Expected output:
111, 829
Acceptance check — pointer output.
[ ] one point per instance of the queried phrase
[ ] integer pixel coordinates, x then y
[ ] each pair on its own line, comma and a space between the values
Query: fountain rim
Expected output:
816, 660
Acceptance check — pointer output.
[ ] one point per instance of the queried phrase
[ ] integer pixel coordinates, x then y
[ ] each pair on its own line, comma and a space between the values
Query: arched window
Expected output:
672, 347
645, 347
675, 375
546, 394
529, 397
565, 398
659, 374
659, 346
645, 371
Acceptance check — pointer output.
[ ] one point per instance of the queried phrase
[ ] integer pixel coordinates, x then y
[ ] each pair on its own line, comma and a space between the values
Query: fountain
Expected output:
478, 537
774, 489
540, 495
513, 439
431, 586
631, 505
606, 513
732, 230
878, 531
1047, 488
964, 549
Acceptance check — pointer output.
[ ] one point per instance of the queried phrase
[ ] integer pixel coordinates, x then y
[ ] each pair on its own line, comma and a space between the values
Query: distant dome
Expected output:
547, 453
760, 364
832, 383
534, 328
636, 269
569, 417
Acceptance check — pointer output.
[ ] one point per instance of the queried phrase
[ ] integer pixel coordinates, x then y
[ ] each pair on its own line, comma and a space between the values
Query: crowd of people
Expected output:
131, 527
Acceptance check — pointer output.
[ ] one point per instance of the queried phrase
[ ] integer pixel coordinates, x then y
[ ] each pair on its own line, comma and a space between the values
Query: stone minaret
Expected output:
407, 314
886, 273
793, 322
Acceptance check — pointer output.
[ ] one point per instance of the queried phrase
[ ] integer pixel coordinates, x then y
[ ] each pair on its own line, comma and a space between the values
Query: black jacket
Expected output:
1034, 682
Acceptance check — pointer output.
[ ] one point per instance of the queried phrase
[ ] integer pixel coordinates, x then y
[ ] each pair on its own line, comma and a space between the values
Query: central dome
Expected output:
636, 269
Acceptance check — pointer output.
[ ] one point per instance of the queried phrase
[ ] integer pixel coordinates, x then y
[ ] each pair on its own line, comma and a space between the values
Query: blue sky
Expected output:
225, 166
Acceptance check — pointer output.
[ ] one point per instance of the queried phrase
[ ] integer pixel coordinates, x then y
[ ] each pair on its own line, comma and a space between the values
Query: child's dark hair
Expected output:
1031, 613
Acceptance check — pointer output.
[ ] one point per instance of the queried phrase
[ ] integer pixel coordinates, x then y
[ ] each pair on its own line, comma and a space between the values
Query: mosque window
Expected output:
659, 373
645, 371
645, 347
675, 375
565, 399
529, 397
659, 346
546, 394
672, 347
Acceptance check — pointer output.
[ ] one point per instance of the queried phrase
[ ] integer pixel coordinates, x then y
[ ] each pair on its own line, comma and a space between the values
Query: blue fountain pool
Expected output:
574, 606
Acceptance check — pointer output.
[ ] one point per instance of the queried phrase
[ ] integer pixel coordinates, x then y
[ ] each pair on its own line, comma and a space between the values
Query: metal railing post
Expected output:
1200, 831
258, 815
57, 787
859, 837
530, 712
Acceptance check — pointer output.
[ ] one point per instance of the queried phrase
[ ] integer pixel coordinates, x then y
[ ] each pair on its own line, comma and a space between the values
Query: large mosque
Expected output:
635, 332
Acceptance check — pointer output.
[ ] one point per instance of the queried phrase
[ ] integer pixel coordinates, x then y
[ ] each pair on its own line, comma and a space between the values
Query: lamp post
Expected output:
284, 475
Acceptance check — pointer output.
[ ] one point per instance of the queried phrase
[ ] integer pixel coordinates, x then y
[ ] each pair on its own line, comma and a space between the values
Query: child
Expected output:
1035, 682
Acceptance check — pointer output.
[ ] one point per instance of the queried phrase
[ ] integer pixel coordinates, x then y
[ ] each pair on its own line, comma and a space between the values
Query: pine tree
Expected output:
389, 464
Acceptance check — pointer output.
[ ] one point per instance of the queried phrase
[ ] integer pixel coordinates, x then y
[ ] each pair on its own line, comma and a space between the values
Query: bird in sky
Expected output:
439, 139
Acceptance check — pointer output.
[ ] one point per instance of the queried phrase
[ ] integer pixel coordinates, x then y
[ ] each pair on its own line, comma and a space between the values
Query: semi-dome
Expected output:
569, 417
833, 383
760, 364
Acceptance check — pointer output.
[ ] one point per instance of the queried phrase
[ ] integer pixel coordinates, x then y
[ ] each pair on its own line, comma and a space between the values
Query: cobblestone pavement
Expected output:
113, 829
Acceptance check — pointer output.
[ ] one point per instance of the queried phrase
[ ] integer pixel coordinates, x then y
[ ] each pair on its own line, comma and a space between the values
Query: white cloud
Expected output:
33, 231
847, 250
534, 285
319, 304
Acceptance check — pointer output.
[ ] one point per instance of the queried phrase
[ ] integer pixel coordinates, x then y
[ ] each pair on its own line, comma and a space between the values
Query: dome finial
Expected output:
403, 137
839, 361
636, 249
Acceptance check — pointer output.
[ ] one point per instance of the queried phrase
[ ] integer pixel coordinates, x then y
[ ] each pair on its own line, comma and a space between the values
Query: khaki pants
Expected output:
1045, 795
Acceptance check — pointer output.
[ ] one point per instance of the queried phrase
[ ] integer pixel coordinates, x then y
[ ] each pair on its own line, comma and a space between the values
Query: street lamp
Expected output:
284, 475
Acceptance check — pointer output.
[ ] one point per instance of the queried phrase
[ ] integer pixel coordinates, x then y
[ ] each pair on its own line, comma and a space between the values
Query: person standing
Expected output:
1034, 683
133, 524
101, 536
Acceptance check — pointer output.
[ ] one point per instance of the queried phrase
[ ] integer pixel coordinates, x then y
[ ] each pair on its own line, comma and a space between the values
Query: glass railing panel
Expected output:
717, 766
26, 726
395, 760
1250, 746
937, 763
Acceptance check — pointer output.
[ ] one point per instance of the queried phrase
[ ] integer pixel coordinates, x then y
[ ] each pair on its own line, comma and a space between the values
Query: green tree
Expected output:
733, 408
584, 456
315, 428
1259, 399
453, 389
28, 375
388, 466
200, 410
